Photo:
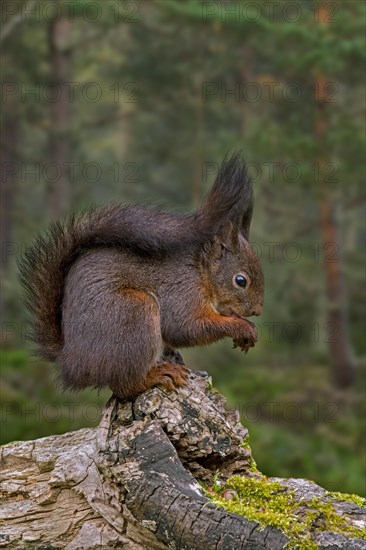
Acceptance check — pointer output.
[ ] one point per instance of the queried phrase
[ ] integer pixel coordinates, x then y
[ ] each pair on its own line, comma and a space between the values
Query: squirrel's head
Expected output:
234, 273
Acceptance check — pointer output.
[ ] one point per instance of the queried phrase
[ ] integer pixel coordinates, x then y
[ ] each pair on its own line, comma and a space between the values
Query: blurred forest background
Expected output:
139, 101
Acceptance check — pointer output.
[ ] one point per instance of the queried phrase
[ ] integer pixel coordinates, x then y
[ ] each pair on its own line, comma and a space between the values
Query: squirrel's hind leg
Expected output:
115, 342
147, 338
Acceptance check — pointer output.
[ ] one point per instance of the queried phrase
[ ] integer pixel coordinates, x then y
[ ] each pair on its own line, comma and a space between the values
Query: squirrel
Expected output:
117, 288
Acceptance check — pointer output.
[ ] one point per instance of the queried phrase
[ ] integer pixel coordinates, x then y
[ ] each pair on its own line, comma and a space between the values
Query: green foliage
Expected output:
33, 404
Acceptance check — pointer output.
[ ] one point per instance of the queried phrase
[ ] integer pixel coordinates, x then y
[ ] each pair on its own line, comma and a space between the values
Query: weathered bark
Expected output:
132, 482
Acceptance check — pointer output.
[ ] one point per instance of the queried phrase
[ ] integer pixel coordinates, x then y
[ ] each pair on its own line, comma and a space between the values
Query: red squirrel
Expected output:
114, 290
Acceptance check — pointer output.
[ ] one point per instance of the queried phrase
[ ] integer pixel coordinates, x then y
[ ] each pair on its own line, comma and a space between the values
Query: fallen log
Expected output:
153, 476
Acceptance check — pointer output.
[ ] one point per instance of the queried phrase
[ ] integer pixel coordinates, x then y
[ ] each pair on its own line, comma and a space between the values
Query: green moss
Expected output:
245, 443
333, 521
270, 503
360, 501
211, 388
252, 465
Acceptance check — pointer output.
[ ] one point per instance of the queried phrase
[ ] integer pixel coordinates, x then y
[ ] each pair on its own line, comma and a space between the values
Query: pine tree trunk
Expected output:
342, 362
10, 174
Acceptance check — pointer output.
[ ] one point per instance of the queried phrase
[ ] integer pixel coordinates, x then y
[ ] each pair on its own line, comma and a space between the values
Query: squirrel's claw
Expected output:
248, 337
169, 375
244, 344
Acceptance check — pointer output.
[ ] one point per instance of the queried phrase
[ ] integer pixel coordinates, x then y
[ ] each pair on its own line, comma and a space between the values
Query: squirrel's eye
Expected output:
241, 281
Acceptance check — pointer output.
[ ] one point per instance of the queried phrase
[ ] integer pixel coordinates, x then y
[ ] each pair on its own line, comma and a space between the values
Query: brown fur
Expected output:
113, 289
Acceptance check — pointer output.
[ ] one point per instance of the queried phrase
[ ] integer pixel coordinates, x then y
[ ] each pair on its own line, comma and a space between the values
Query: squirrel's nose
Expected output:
257, 310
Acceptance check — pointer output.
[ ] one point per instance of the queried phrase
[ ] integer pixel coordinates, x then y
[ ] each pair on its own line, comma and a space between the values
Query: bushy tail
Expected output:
231, 196
45, 264
41, 276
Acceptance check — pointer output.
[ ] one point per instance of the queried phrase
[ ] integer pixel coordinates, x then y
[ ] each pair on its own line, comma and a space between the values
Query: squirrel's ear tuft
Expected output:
226, 234
225, 237
246, 220
231, 197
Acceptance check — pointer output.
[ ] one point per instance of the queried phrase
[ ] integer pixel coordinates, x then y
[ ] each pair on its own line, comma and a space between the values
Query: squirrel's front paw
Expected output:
248, 338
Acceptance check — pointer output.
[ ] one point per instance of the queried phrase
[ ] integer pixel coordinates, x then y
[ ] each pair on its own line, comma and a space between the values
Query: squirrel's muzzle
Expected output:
257, 310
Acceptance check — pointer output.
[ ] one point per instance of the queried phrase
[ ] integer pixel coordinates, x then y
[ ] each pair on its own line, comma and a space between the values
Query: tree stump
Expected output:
135, 481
